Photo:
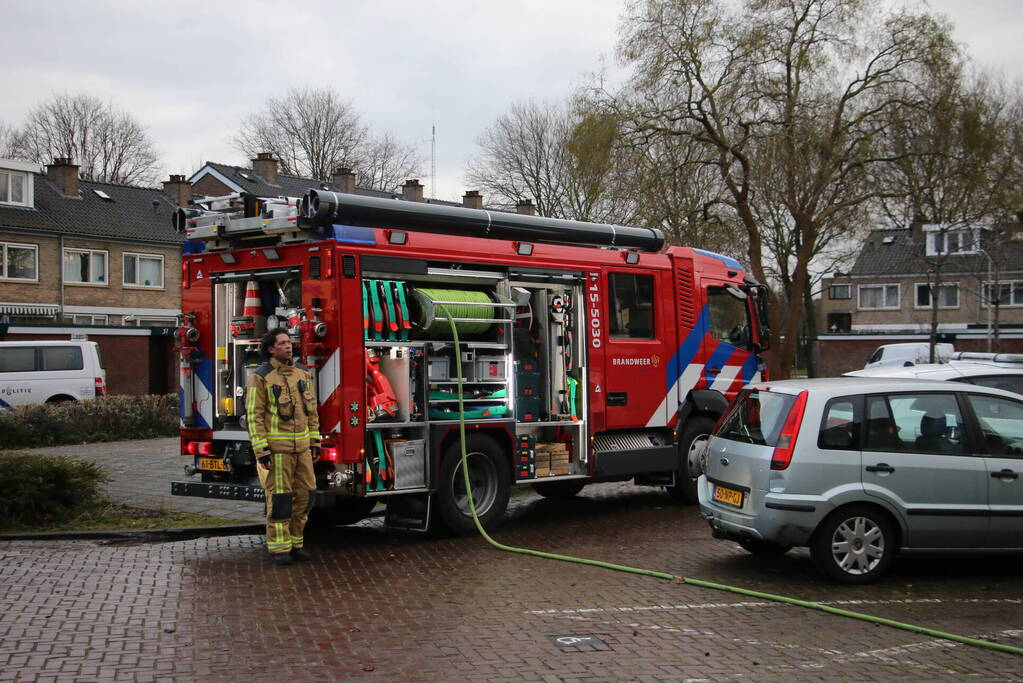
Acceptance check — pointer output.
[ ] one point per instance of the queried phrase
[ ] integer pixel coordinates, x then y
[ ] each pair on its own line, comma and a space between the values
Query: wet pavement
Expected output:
415, 608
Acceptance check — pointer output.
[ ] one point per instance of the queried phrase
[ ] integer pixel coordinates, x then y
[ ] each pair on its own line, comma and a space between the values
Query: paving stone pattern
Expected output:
398, 607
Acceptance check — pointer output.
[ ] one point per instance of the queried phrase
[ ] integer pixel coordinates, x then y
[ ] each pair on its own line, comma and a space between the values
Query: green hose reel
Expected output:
474, 311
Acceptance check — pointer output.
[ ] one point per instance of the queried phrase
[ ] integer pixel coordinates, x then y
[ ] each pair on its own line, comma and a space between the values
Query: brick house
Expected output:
92, 258
84, 252
887, 295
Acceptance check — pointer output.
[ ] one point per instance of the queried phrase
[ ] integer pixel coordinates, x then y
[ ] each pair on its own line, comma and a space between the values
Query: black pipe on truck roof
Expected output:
324, 208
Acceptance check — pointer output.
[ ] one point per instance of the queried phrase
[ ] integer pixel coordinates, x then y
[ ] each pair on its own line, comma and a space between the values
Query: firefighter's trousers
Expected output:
288, 483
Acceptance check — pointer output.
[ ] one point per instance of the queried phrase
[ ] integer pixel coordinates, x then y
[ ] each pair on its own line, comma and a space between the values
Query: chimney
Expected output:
412, 191
525, 207
178, 189
65, 173
344, 178
265, 165
472, 199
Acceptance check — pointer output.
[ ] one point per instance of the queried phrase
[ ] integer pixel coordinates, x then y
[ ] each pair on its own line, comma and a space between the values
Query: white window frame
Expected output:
935, 234
3, 261
1012, 284
89, 319
831, 291
918, 285
136, 284
95, 283
26, 187
881, 286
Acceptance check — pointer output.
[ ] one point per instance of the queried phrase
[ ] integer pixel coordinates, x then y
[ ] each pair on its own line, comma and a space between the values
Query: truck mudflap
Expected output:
224, 491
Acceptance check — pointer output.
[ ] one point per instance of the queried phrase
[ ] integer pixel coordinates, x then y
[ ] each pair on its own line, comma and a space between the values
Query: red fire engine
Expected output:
588, 352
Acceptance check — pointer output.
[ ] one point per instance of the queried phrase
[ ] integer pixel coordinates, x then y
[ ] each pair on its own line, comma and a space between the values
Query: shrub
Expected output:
43, 488
116, 418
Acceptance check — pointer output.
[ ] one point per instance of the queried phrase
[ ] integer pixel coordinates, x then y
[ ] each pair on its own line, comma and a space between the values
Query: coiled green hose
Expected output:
976, 642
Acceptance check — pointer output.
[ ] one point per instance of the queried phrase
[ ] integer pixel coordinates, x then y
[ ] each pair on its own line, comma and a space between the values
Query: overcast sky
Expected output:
191, 70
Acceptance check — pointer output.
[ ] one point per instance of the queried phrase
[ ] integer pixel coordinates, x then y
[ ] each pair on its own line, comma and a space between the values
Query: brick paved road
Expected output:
412, 608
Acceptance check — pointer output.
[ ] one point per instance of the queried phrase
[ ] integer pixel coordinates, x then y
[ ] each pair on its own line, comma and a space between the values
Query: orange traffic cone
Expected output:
251, 323
252, 305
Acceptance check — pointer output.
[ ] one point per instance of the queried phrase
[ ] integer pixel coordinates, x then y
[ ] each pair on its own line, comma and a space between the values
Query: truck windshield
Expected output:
756, 417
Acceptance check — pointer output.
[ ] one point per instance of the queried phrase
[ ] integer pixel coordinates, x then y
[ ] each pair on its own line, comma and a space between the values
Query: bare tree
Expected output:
311, 132
384, 163
8, 141
565, 158
109, 145
804, 79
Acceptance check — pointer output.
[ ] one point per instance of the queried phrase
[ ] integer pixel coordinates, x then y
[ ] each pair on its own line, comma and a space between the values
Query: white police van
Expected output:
50, 372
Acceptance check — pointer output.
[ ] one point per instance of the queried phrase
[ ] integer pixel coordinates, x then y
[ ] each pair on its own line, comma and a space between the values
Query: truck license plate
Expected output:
215, 464
727, 495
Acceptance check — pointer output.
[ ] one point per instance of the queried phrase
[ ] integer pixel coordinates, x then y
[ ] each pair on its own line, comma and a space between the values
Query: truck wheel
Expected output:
559, 490
690, 452
345, 511
854, 545
489, 476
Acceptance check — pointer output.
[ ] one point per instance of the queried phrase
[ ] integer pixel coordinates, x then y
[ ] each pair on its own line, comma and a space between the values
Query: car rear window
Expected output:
756, 417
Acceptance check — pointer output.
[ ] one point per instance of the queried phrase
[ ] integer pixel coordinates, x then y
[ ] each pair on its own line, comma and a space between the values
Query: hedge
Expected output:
116, 418
46, 488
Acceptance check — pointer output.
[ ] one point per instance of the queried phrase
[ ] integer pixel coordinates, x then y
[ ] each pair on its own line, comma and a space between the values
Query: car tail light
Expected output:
205, 448
192, 447
789, 431
328, 454
101, 387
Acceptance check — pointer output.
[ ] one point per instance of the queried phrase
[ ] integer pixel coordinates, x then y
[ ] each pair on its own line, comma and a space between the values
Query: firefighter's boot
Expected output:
281, 559
299, 555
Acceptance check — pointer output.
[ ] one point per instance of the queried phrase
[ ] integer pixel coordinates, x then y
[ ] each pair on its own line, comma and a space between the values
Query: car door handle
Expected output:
1005, 474
880, 467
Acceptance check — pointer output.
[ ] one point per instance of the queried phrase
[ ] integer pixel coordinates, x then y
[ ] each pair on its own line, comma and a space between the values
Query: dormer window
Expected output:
942, 240
15, 183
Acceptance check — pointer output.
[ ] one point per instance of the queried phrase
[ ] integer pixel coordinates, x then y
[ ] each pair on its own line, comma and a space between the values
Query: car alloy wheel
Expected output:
854, 545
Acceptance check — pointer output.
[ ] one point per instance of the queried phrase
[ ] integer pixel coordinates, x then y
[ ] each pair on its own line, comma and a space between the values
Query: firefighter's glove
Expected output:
315, 452
266, 461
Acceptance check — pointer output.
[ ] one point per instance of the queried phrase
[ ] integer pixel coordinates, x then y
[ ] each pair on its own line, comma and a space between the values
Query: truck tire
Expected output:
490, 477
689, 471
346, 510
559, 490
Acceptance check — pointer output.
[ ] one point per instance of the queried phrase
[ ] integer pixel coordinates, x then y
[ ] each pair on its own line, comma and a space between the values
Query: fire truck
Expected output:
589, 352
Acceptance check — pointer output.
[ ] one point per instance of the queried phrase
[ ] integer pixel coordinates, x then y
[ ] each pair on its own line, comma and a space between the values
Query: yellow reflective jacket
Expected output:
280, 409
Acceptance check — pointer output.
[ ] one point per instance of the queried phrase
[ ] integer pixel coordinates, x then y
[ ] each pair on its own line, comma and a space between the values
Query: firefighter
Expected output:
284, 427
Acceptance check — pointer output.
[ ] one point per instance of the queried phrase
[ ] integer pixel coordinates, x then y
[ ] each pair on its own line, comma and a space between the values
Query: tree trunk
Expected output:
810, 319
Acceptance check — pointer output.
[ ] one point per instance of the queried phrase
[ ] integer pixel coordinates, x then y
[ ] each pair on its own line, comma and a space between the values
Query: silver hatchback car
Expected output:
858, 469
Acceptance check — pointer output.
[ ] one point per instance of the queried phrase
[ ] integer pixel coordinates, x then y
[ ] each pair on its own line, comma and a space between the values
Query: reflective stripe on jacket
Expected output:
280, 409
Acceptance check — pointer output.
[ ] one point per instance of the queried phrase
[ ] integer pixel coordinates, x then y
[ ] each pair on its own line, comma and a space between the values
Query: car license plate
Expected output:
215, 464
727, 495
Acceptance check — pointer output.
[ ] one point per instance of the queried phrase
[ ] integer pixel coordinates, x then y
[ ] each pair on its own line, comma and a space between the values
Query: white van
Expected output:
50, 372
911, 353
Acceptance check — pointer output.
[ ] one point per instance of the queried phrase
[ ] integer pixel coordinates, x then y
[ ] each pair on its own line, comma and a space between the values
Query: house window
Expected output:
85, 266
948, 295
19, 261
839, 322
13, 187
878, 296
840, 292
1010, 293
942, 242
143, 270
89, 319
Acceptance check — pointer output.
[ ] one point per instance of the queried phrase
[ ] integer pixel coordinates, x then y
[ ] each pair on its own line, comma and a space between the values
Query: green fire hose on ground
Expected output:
976, 642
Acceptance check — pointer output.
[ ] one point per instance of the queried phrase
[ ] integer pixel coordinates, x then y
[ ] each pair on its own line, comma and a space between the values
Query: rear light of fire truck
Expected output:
101, 386
328, 454
184, 274
328, 262
199, 448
